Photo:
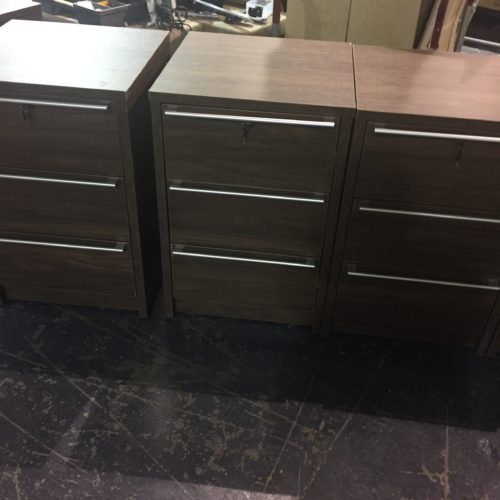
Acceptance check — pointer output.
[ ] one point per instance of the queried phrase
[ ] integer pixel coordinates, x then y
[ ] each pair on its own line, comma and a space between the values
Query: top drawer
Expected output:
430, 166
242, 148
60, 136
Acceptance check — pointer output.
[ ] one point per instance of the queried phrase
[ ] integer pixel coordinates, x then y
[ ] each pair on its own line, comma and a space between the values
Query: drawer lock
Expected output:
27, 112
246, 126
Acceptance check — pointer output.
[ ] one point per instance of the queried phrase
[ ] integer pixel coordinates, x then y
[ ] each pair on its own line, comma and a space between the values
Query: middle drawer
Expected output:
246, 219
422, 238
63, 205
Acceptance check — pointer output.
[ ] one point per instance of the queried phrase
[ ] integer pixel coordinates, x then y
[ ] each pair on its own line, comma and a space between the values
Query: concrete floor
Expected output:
102, 405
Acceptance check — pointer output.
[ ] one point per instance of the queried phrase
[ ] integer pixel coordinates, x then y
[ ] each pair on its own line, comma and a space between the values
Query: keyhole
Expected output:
460, 146
27, 112
246, 129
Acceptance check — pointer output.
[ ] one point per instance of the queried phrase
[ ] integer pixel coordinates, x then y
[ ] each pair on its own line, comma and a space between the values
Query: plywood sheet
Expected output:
318, 19
391, 23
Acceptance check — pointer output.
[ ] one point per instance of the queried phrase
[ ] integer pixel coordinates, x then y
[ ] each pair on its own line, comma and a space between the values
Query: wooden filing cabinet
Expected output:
251, 136
78, 218
418, 249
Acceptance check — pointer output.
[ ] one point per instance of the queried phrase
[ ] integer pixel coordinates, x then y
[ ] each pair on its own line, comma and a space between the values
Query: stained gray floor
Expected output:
102, 405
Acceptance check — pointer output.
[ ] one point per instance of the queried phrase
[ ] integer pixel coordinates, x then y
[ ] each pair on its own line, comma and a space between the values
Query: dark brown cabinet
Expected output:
249, 170
418, 249
78, 218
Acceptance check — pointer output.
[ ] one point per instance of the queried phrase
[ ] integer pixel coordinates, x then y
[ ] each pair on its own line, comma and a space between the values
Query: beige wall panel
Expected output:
318, 19
391, 23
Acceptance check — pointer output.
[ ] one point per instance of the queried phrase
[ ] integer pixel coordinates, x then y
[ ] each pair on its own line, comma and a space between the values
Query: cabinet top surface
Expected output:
7, 6
261, 69
75, 56
441, 84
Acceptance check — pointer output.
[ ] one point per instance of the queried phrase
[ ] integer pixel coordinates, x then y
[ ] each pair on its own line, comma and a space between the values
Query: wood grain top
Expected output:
260, 69
448, 85
79, 56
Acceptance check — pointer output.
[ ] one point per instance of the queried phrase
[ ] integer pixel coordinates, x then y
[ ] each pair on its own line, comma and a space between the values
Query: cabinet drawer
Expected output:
243, 219
69, 205
396, 305
430, 166
59, 136
230, 147
424, 239
63, 263
243, 285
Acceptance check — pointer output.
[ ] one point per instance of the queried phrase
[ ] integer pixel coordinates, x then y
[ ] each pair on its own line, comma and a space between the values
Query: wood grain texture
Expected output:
244, 223
96, 65
19, 9
288, 157
110, 60
63, 209
427, 244
454, 173
439, 84
70, 269
243, 290
255, 72
431, 313
209, 74
58, 139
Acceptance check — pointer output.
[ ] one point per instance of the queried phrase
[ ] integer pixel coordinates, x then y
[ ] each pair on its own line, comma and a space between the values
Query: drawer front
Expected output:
226, 147
424, 239
246, 220
70, 205
396, 305
445, 170
62, 137
56, 263
243, 285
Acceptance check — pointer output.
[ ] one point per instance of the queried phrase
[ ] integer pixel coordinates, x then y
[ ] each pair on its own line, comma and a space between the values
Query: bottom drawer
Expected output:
243, 284
394, 305
63, 263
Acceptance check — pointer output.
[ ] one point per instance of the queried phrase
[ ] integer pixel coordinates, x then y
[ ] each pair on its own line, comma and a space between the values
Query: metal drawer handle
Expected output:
253, 119
243, 259
118, 248
113, 183
417, 280
56, 104
479, 41
247, 195
429, 214
436, 135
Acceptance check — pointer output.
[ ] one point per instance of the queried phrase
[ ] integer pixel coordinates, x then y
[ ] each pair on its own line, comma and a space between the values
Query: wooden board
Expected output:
388, 23
439, 84
258, 70
317, 19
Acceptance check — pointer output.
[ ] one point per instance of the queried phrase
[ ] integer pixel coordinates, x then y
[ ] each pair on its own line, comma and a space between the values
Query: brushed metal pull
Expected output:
436, 135
246, 194
480, 41
244, 259
55, 104
118, 248
253, 119
429, 214
112, 183
424, 281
